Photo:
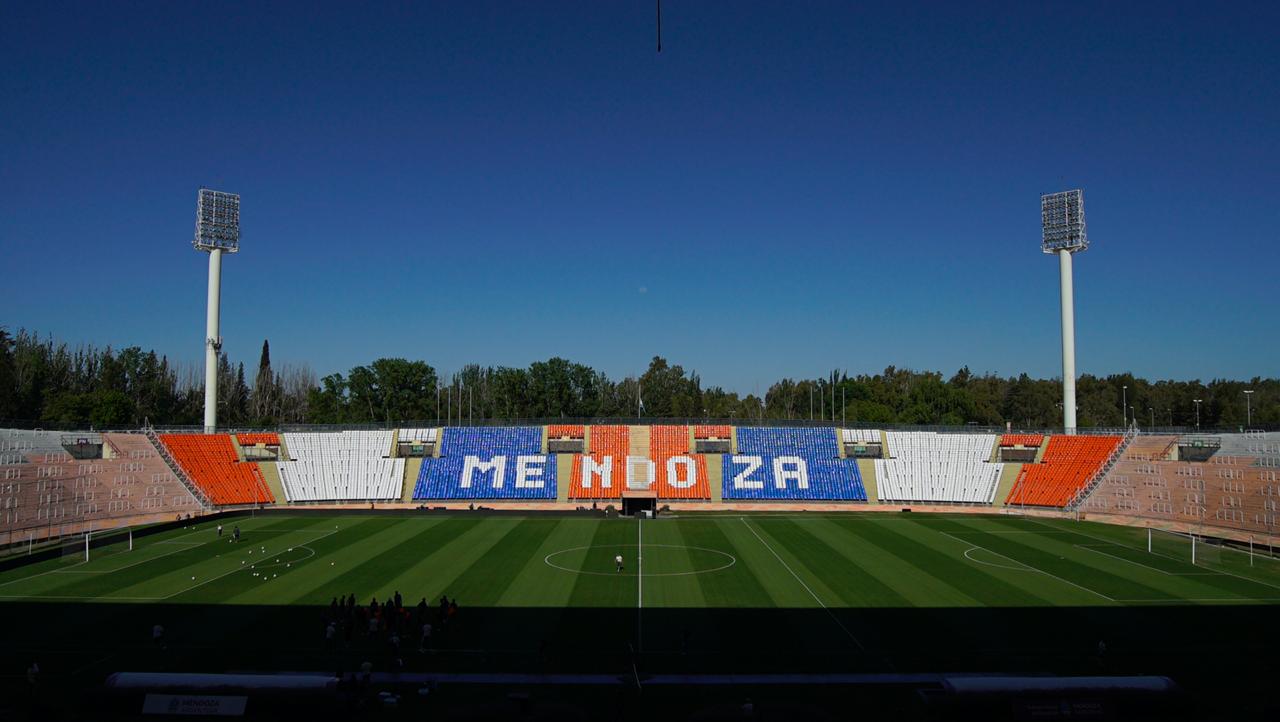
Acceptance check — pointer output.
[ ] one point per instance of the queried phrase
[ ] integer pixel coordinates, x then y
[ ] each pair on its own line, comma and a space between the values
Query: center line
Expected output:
639, 583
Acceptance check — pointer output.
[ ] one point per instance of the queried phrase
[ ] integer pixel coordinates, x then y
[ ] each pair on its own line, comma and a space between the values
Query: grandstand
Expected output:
932, 467
53, 483
1069, 464
602, 473
212, 464
790, 464
342, 466
57, 482
488, 463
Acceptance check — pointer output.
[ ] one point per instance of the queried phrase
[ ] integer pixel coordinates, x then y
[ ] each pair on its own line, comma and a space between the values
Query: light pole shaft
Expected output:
1068, 343
211, 342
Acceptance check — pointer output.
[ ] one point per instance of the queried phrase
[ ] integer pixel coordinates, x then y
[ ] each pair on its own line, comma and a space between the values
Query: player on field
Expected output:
617, 560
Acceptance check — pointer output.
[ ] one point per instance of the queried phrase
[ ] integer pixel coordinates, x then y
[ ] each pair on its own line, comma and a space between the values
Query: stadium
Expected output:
527, 539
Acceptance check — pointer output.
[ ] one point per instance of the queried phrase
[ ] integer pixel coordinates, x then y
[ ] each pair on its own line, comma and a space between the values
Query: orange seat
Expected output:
606, 441
210, 460
1068, 465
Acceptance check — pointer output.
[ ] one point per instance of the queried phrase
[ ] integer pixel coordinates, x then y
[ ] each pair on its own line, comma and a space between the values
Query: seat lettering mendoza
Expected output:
785, 469
529, 471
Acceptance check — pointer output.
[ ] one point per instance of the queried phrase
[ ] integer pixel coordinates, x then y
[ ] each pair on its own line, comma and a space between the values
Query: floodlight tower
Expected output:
217, 232
1062, 220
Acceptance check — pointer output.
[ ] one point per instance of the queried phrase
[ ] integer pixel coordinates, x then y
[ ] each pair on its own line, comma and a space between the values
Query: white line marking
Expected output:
1091, 547
990, 564
1029, 567
639, 584
111, 598
1219, 571
241, 568
732, 560
786, 566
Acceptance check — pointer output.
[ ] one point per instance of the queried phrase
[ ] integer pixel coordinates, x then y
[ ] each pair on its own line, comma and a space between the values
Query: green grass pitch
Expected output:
850, 592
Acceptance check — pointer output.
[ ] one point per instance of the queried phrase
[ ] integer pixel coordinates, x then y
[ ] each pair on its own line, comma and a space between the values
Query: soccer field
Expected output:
850, 592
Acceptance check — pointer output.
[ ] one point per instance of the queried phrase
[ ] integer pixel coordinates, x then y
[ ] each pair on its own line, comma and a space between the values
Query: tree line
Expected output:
43, 381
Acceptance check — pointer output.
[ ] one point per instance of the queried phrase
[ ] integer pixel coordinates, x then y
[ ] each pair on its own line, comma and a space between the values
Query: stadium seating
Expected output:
713, 432
1021, 439
503, 462
678, 474
341, 466
607, 476
255, 439
790, 463
44, 486
860, 436
210, 460
933, 467
424, 435
566, 431
1068, 464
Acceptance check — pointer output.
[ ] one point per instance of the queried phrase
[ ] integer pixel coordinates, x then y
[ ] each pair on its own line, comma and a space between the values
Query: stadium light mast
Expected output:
1062, 221
217, 232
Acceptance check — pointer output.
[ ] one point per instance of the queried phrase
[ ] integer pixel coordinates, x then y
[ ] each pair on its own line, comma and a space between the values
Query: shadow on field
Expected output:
1211, 652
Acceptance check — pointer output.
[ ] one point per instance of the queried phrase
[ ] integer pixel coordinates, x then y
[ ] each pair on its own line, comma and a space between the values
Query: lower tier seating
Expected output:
210, 460
504, 462
967, 482
754, 476
1069, 463
336, 479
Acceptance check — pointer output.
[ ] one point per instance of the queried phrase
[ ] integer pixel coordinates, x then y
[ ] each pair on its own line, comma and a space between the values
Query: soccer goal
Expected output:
85, 545
1209, 551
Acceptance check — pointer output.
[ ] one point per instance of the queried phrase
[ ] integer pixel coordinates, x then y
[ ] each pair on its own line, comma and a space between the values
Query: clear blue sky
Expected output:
787, 188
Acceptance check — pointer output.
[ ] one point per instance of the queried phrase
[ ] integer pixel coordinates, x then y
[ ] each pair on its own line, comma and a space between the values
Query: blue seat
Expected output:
790, 463
494, 471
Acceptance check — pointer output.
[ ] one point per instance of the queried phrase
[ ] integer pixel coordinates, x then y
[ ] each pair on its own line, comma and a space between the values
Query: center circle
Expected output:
648, 560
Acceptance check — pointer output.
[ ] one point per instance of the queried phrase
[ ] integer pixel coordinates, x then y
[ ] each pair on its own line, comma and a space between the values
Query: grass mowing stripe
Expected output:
671, 567
1053, 559
842, 581
487, 578
369, 576
1190, 581
438, 569
350, 546
539, 584
909, 571
807, 588
921, 549
593, 618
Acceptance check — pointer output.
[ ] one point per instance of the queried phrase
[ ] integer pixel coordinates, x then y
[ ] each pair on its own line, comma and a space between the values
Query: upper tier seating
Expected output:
42, 485
712, 432
790, 463
425, 435
210, 460
606, 477
501, 462
1068, 464
860, 436
566, 431
928, 466
1021, 439
255, 439
678, 474
341, 466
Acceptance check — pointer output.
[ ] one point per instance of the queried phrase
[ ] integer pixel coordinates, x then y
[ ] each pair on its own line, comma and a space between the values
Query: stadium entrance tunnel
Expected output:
649, 560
